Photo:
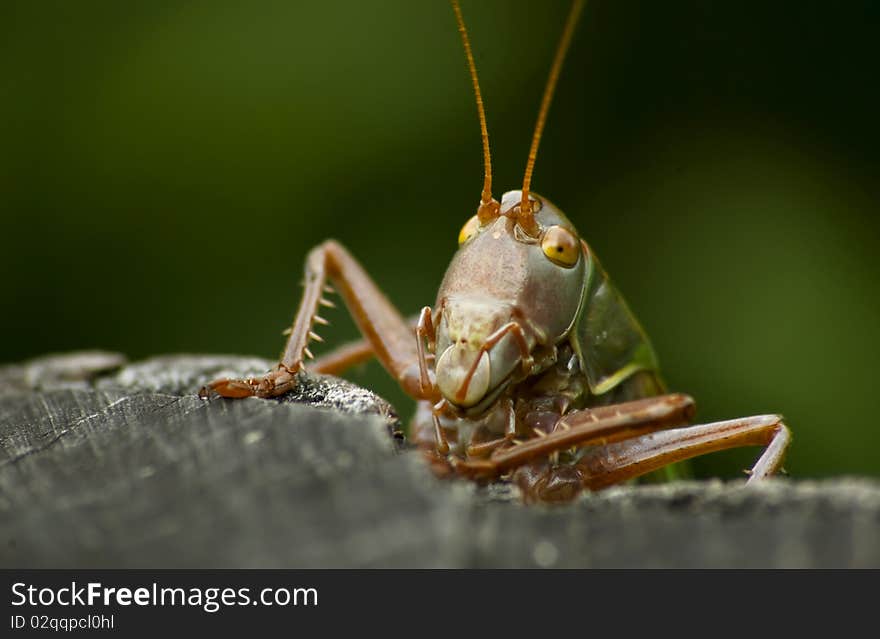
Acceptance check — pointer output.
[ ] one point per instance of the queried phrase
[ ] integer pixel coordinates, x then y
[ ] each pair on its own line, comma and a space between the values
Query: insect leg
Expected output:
386, 332
341, 358
624, 460
425, 333
601, 424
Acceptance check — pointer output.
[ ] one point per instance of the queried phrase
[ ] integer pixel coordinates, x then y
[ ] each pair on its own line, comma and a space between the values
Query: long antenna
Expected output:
489, 207
526, 217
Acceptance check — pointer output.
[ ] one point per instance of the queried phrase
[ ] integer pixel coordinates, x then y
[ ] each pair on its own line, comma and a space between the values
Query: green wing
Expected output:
607, 338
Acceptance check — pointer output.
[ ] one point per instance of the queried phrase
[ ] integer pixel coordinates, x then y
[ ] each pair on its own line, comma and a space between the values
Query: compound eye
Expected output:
560, 246
468, 230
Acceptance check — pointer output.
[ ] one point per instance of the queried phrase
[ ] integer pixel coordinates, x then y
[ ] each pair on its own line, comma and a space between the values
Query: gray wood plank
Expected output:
116, 465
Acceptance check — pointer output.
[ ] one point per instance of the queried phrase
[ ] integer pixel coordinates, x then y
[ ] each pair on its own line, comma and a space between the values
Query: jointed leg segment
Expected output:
625, 441
623, 460
389, 336
598, 425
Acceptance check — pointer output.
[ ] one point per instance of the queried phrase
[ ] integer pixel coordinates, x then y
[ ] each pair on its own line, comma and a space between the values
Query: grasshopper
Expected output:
530, 366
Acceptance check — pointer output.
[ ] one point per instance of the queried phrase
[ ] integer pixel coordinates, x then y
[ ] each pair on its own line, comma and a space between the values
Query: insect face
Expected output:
506, 298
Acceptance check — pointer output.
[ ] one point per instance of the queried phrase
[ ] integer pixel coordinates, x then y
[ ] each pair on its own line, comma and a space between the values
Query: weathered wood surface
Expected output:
108, 464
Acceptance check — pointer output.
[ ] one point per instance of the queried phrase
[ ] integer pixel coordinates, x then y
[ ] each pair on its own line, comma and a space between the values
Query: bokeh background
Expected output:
165, 167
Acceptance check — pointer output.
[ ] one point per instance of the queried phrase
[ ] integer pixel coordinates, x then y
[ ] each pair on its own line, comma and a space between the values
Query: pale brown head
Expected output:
502, 276
515, 286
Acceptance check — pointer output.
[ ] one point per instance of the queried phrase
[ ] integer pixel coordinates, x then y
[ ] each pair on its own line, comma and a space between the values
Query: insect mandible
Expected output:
530, 366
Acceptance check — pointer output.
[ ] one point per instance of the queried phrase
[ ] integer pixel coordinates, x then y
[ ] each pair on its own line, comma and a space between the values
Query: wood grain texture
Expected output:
118, 465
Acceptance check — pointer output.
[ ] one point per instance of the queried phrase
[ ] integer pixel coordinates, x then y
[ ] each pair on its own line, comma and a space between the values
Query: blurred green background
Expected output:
166, 166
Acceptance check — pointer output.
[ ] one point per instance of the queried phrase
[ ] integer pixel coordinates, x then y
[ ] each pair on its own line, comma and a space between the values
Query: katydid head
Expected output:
506, 298
514, 289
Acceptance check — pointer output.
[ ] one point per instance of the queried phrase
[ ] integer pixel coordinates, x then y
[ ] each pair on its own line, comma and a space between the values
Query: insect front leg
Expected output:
628, 440
541, 479
389, 336
601, 424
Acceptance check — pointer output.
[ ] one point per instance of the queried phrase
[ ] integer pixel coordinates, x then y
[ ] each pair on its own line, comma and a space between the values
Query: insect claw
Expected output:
320, 320
313, 335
